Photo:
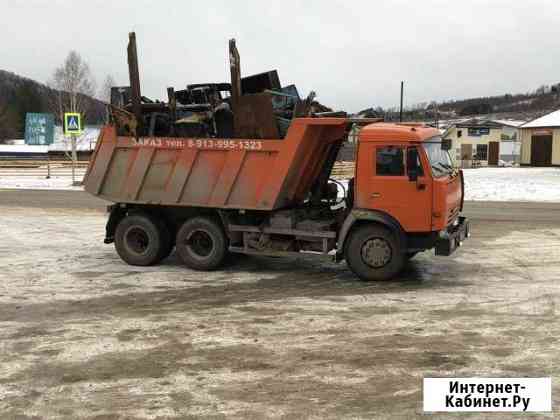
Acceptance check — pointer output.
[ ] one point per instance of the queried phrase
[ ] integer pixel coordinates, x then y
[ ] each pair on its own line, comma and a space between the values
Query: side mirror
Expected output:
446, 144
412, 168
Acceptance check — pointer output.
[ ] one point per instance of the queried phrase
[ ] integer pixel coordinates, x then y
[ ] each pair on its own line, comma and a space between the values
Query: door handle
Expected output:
421, 187
375, 195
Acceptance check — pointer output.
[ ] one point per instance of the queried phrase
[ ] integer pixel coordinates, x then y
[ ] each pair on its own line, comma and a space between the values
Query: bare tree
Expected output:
74, 85
105, 91
73, 82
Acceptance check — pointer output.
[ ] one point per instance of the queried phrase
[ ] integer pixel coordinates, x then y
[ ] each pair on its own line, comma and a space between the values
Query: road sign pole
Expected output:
74, 157
73, 127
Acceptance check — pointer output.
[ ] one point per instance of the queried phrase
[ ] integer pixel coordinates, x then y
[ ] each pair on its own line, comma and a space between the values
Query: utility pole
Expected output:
401, 110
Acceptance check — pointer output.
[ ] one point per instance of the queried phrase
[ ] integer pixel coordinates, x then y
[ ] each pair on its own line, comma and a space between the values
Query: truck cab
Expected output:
406, 189
404, 171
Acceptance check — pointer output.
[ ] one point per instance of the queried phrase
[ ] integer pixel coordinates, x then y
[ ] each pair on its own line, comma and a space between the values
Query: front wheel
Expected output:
373, 253
201, 244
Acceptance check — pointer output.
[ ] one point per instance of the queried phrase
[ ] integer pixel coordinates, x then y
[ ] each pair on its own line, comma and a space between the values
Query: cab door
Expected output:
386, 184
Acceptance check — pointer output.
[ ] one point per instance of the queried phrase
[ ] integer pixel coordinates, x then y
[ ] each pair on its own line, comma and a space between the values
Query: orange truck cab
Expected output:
405, 182
208, 197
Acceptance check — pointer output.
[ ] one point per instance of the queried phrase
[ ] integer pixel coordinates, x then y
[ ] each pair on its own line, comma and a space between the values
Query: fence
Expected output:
42, 168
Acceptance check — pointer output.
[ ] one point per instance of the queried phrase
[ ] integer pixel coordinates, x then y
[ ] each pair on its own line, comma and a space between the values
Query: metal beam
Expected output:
235, 69
134, 76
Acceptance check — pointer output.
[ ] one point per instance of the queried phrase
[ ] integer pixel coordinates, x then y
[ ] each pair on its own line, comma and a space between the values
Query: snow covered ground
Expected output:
38, 183
35, 178
512, 184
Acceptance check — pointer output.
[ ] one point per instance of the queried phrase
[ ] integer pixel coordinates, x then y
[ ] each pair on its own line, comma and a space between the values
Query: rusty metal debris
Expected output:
124, 120
254, 107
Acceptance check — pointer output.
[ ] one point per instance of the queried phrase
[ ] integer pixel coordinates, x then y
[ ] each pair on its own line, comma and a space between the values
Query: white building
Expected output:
540, 141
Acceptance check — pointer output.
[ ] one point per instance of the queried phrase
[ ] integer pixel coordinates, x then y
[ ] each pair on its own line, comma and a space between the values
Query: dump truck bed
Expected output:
210, 172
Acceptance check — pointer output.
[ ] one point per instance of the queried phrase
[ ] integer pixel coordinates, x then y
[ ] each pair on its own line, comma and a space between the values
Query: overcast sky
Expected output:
352, 53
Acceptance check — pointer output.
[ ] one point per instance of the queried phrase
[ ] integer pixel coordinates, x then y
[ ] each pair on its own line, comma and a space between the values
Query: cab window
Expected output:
418, 161
389, 161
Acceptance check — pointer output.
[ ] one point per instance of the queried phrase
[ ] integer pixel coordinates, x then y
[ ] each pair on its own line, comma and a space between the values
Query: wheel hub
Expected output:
200, 243
376, 252
137, 240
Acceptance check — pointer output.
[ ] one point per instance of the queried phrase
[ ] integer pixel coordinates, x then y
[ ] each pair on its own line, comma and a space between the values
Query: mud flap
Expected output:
116, 213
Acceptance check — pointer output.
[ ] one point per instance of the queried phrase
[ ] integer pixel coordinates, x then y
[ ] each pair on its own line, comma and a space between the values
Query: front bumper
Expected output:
453, 237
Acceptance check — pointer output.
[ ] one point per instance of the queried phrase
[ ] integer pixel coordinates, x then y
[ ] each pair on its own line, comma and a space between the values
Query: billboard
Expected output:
480, 131
39, 129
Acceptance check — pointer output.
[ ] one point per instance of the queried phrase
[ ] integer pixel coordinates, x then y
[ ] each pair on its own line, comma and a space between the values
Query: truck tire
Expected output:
139, 240
201, 244
373, 253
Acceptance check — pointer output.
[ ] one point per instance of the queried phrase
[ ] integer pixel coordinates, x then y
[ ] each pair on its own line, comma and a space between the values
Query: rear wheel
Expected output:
201, 244
374, 253
139, 240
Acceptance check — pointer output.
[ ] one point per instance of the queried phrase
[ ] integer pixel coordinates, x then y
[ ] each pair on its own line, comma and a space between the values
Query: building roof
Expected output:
549, 120
477, 123
511, 123
488, 123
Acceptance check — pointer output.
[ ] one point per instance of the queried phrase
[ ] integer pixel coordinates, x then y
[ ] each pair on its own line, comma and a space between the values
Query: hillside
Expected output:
543, 99
19, 95
521, 106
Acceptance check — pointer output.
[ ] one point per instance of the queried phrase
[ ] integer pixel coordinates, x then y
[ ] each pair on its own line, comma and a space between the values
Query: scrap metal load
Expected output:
252, 107
248, 144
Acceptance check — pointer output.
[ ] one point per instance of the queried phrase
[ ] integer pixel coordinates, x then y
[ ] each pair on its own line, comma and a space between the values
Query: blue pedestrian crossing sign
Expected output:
72, 123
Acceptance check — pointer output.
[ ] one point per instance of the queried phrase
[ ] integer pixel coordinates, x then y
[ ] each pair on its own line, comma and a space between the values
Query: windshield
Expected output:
440, 160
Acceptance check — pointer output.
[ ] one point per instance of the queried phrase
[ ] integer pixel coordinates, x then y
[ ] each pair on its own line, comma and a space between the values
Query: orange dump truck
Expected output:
208, 197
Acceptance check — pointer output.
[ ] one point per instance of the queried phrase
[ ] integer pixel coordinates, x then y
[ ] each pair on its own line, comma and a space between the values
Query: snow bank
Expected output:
84, 142
23, 148
38, 183
512, 184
